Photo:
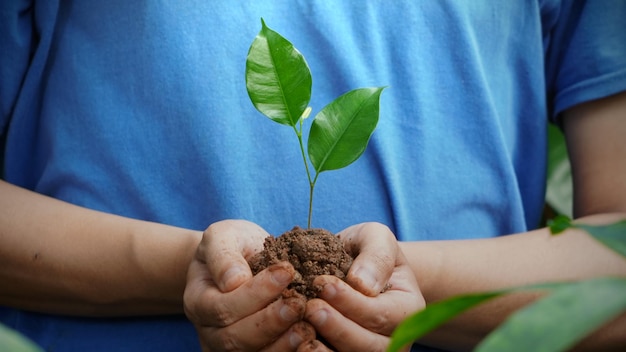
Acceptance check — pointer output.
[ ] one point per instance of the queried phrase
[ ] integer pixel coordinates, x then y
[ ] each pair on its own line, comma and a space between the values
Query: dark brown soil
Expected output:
312, 252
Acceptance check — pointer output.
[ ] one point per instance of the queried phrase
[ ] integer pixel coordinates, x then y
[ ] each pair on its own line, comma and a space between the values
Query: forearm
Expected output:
448, 268
59, 258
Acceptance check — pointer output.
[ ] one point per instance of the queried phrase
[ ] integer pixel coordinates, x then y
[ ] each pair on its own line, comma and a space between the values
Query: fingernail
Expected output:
329, 291
295, 339
288, 314
230, 278
281, 277
319, 318
367, 278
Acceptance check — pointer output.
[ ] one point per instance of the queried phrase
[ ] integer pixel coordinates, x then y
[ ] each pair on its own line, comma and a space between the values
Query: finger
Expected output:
262, 328
380, 314
313, 346
225, 247
198, 291
376, 251
300, 333
210, 307
340, 332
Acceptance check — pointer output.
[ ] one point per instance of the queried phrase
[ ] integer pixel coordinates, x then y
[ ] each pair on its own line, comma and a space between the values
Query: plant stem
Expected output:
311, 187
308, 173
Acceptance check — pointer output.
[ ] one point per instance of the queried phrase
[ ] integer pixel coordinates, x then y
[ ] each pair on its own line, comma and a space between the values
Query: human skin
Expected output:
227, 302
594, 133
130, 267
231, 309
447, 268
124, 267
59, 258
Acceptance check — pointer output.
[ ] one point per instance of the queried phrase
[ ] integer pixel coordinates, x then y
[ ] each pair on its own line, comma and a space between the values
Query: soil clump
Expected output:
312, 252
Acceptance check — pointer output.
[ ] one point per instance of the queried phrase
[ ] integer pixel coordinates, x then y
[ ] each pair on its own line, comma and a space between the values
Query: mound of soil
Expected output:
312, 252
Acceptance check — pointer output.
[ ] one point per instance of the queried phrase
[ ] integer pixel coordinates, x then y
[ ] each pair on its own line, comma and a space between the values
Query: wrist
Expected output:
426, 262
163, 255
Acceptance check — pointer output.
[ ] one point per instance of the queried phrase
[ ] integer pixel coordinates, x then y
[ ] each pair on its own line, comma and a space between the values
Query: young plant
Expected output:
279, 84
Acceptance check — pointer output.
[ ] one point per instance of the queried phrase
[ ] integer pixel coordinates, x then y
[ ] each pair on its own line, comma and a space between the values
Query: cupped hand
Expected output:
380, 291
233, 310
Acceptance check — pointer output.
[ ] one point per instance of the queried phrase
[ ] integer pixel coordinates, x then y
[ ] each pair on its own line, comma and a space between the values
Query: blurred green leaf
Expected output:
553, 323
11, 340
559, 224
561, 319
278, 78
433, 316
437, 313
340, 132
612, 236
559, 179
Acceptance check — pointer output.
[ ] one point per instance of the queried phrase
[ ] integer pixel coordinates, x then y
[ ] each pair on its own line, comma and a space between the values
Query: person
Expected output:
137, 176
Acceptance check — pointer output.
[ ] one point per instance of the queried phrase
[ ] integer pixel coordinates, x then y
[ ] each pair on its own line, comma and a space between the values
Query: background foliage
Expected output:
568, 312
559, 179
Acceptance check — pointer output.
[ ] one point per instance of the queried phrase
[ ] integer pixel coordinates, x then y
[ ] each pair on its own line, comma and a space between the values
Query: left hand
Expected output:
380, 291
234, 310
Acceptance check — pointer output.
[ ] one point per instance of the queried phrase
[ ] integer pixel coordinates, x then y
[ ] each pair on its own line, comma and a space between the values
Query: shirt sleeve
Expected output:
17, 39
586, 54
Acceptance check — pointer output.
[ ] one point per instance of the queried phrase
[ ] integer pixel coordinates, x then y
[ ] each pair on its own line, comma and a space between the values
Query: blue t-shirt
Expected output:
139, 108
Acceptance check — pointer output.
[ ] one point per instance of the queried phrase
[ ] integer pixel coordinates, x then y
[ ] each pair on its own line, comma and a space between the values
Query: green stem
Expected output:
311, 187
308, 173
306, 165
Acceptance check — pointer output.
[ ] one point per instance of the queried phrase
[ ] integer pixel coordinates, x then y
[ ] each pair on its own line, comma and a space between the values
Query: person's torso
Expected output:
140, 109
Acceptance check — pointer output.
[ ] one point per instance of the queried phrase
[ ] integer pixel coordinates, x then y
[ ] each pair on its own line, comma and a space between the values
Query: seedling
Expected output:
279, 84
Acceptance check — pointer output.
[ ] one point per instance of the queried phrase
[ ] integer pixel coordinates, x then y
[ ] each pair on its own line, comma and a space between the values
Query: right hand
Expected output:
380, 291
234, 310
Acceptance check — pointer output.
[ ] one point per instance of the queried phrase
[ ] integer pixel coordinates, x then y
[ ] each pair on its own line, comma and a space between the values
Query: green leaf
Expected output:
433, 316
612, 235
553, 323
560, 320
278, 78
559, 224
559, 190
11, 340
340, 132
436, 314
